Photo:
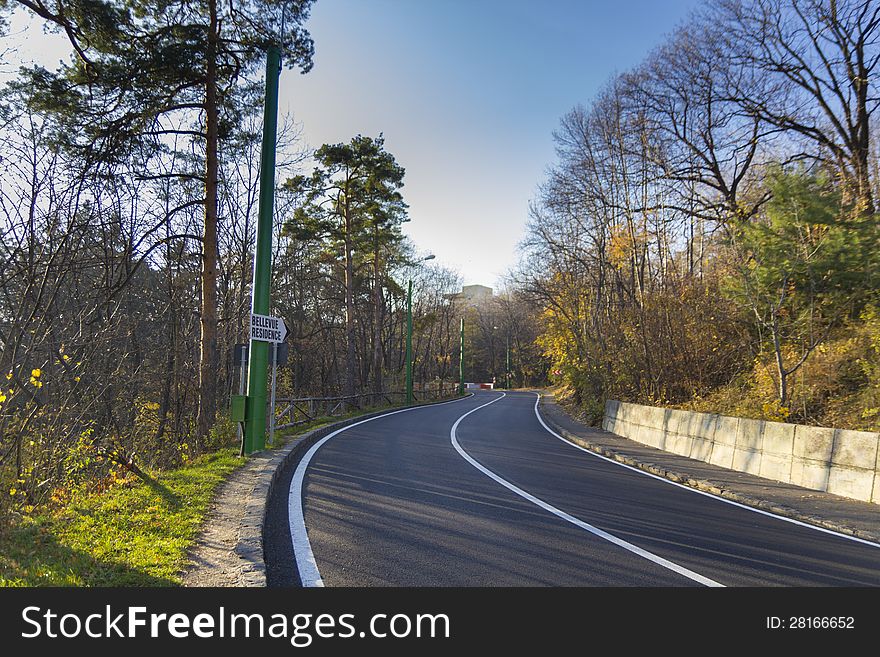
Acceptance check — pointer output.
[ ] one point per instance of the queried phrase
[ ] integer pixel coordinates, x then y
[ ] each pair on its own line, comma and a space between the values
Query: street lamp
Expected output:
507, 359
507, 372
409, 360
461, 359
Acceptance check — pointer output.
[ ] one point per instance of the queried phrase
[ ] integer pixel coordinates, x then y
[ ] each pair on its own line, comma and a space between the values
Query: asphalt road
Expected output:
477, 492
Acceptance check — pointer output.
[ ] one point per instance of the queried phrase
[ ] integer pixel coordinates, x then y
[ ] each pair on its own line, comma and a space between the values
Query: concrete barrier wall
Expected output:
838, 461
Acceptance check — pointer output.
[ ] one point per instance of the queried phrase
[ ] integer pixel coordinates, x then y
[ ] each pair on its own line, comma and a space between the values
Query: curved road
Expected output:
478, 492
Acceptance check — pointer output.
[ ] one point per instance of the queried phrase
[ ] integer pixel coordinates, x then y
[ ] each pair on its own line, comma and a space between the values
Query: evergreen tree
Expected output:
804, 268
352, 200
148, 76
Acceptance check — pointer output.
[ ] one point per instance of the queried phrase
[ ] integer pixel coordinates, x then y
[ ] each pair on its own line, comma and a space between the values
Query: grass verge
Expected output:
135, 534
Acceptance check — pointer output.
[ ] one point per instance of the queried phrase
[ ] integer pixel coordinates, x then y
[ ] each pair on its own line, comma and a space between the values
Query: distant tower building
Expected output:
473, 295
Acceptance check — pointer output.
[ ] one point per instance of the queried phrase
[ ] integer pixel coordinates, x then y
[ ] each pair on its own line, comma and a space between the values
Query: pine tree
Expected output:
352, 201
148, 74
804, 268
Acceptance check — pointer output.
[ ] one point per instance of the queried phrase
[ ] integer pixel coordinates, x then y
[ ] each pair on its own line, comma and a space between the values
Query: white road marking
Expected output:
753, 509
635, 549
309, 574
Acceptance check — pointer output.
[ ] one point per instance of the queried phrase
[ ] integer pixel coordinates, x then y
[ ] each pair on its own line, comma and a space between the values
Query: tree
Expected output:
352, 200
703, 141
609, 252
384, 214
145, 75
803, 271
816, 60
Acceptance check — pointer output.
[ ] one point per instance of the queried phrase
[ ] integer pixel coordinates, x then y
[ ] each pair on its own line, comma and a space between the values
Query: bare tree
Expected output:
817, 60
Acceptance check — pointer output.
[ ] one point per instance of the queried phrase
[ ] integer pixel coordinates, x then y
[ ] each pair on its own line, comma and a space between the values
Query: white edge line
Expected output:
753, 509
650, 556
309, 574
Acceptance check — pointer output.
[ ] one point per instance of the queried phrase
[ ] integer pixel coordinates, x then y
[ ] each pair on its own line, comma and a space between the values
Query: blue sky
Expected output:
467, 94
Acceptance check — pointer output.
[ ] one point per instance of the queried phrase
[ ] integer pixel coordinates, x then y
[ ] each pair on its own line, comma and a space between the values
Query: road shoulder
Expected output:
851, 517
230, 550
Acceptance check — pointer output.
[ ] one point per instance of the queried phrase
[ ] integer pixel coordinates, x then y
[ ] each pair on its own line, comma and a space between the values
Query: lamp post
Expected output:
461, 359
254, 438
506, 358
507, 371
409, 324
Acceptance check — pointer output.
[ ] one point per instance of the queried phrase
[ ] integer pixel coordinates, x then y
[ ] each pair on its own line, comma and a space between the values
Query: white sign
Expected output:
268, 328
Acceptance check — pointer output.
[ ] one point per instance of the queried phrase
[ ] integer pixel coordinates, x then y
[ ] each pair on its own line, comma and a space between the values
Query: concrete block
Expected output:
650, 436
722, 455
747, 460
677, 421
775, 450
701, 449
725, 430
813, 443
659, 415
748, 434
776, 466
653, 416
678, 443
685, 423
632, 430
624, 428
666, 420
851, 482
688, 423
635, 429
778, 438
797, 471
632, 413
611, 407
703, 425
638, 413
856, 449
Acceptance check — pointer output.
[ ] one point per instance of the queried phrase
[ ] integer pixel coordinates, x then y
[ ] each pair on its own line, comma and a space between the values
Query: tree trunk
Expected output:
171, 345
780, 365
350, 358
863, 140
377, 318
208, 319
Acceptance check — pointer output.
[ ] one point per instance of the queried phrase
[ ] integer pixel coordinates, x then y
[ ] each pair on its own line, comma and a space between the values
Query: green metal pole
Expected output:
409, 364
255, 422
507, 371
461, 360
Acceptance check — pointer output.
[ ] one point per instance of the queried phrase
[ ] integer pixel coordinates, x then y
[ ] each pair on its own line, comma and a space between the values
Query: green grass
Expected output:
282, 436
135, 534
